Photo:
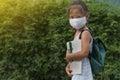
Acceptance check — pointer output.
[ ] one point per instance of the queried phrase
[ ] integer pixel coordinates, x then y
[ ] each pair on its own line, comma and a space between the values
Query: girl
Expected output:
78, 16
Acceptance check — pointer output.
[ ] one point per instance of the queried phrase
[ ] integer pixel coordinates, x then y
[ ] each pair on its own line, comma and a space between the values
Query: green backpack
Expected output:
97, 55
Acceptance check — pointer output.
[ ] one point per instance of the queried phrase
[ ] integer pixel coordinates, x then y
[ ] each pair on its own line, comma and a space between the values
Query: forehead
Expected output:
75, 10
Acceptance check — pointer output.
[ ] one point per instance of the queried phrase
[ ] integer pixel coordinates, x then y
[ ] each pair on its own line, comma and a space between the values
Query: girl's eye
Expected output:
71, 17
78, 16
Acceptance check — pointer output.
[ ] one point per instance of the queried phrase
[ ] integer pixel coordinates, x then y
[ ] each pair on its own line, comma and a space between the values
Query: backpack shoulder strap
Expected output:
83, 31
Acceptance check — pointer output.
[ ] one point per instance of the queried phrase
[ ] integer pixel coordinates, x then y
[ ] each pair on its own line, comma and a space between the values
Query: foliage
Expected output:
33, 36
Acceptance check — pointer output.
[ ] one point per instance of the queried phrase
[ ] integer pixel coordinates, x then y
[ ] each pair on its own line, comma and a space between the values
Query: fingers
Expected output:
68, 71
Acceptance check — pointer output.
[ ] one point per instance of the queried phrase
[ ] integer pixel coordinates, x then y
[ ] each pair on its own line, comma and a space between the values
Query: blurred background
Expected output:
33, 36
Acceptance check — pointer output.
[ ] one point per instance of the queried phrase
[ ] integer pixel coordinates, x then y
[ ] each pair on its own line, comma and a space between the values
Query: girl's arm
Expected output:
85, 43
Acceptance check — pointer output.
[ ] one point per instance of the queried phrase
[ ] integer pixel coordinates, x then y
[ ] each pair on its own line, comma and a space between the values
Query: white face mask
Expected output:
78, 23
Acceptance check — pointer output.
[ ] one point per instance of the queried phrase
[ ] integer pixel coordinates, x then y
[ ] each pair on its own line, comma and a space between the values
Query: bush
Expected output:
34, 35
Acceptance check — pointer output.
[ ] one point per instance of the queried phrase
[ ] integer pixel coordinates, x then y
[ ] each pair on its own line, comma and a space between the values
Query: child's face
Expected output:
75, 13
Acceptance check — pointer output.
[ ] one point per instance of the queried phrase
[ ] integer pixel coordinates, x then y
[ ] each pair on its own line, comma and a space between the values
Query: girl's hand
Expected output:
68, 70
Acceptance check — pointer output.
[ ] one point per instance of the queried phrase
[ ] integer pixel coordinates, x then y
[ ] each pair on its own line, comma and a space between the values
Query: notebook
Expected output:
75, 65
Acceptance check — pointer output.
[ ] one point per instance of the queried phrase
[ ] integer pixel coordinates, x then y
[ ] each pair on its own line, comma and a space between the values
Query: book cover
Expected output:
75, 65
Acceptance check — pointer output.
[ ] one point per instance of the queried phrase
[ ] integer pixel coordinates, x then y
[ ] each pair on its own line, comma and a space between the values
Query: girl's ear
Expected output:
87, 16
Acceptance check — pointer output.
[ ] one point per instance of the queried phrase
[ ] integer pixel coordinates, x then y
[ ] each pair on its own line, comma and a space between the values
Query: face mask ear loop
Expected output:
73, 29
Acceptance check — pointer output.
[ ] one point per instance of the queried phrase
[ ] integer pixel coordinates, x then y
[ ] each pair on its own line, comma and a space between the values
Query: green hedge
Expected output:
33, 36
